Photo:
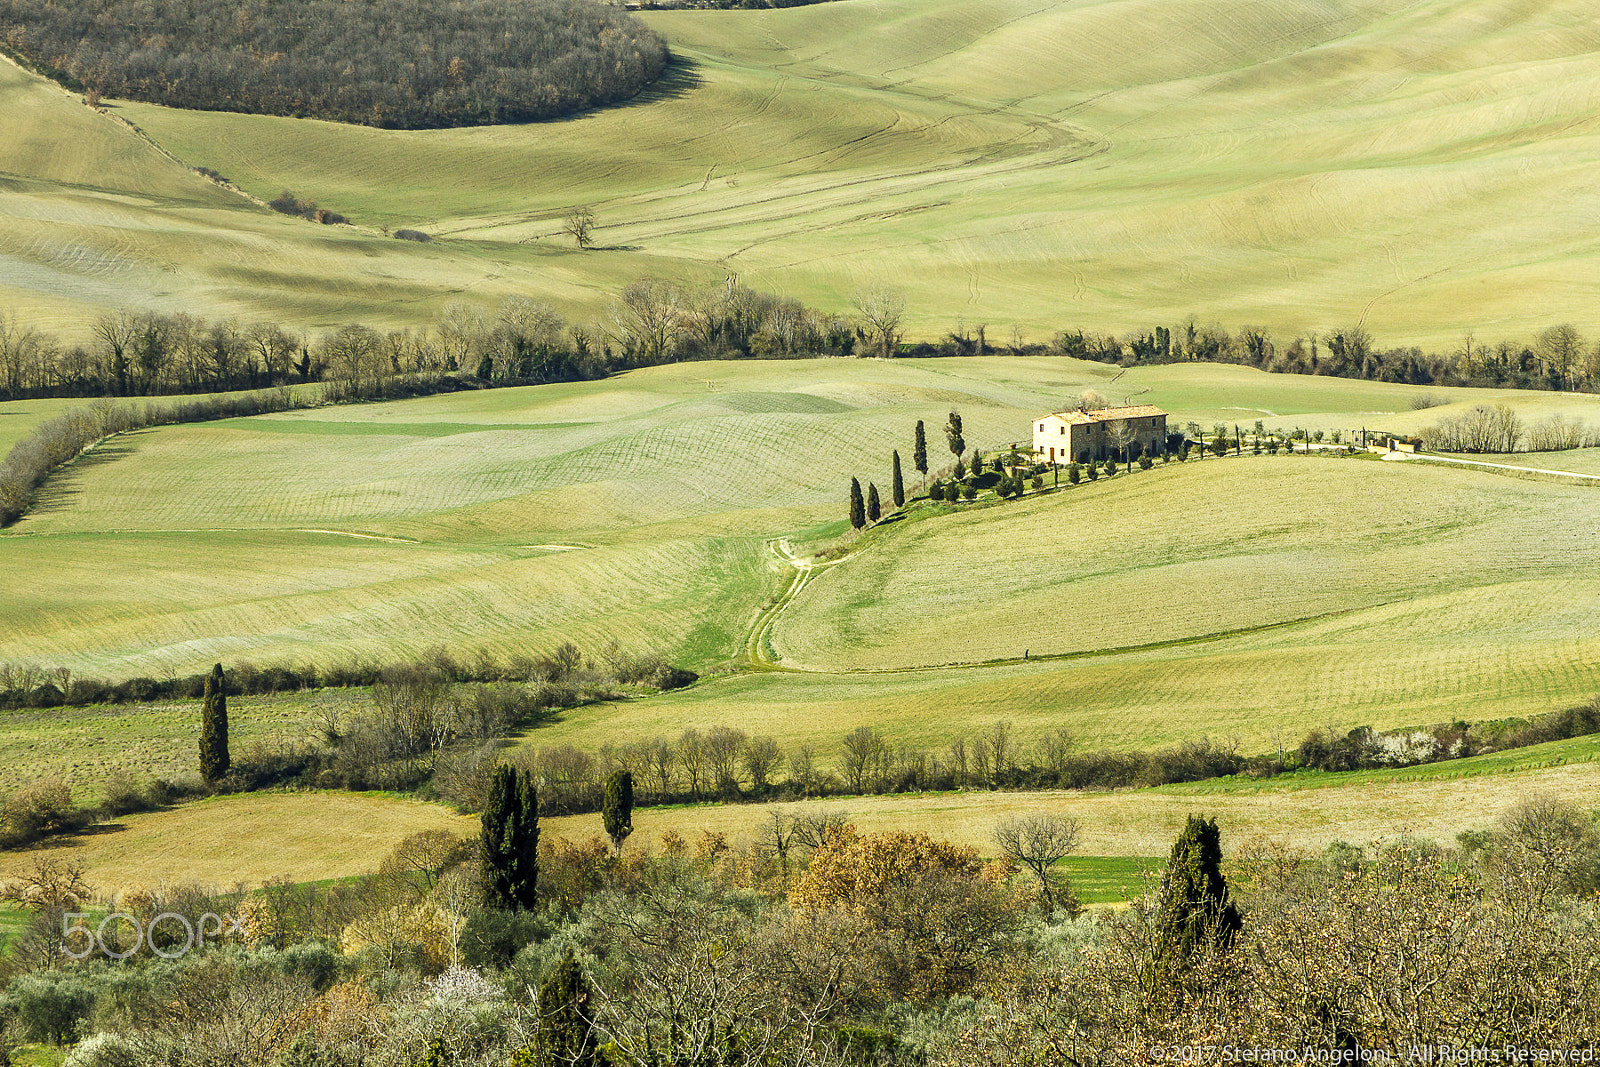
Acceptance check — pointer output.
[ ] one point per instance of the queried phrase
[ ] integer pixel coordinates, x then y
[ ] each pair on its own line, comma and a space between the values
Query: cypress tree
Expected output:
952, 434
616, 810
899, 483
214, 760
874, 508
919, 453
1193, 910
509, 842
858, 509
566, 1027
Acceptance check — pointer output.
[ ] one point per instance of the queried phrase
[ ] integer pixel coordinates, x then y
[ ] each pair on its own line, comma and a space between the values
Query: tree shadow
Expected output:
61, 490
680, 78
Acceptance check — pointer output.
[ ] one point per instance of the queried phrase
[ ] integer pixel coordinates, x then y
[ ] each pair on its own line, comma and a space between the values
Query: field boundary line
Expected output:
1498, 466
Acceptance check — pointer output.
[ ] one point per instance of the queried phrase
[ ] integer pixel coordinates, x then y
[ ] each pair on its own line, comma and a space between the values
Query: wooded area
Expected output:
418, 64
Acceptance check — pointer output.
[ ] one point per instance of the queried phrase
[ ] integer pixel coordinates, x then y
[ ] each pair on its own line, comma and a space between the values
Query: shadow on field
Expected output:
62, 488
680, 78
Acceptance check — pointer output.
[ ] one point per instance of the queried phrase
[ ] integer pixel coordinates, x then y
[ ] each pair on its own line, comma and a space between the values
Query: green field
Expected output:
1247, 598
1424, 167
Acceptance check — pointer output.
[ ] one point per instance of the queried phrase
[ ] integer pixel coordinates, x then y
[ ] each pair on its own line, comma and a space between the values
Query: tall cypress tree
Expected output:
858, 509
214, 762
508, 845
1193, 909
566, 1025
899, 483
874, 508
919, 453
616, 810
952, 434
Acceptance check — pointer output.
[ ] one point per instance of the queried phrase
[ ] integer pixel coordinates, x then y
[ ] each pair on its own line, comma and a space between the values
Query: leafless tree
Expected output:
864, 749
724, 745
1038, 842
762, 756
579, 225
1561, 347
879, 311
1122, 433
649, 319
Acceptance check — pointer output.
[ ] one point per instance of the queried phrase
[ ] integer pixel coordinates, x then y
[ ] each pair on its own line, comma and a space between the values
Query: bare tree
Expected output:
579, 225
1122, 434
864, 749
1562, 348
761, 757
1038, 842
879, 309
649, 320
724, 746
1091, 400
692, 754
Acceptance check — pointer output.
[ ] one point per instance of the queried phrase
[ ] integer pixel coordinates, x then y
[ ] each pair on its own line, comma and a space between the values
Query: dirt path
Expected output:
1495, 466
756, 653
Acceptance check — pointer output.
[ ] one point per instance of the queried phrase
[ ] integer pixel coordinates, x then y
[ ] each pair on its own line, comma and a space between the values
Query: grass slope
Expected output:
1110, 163
1311, 590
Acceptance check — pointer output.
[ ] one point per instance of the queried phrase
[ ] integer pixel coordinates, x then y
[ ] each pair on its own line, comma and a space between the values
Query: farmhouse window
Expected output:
1063, 429
1041, 427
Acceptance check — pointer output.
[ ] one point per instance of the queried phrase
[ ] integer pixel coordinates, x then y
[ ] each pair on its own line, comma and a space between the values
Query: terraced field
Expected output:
1424, 167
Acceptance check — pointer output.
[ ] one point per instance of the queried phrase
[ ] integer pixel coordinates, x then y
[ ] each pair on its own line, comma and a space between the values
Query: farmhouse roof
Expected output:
1084, 418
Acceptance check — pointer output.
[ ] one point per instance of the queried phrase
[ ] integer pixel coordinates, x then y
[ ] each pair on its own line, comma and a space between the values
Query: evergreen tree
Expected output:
566, 1024
899, 483
1193, 910
214, 760
509, 841
952, 434
858, 509
616, 810
919, 453
874, 508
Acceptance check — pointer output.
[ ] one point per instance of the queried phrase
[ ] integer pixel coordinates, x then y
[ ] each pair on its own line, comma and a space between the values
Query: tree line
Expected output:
520, 341
652, 321
1558, 358
729, 764
408, 65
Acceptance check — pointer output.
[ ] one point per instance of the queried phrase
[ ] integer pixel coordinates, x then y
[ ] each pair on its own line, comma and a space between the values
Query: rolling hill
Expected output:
1421, 167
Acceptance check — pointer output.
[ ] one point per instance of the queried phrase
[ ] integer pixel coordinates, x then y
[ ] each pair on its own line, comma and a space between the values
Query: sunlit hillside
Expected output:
1424, 167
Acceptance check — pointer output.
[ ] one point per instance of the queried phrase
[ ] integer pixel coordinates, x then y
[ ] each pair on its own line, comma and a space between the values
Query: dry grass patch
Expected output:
1145, 822
247, 838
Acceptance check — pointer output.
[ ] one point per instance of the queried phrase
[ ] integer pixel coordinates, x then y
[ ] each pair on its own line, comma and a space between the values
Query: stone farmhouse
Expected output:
1065, 436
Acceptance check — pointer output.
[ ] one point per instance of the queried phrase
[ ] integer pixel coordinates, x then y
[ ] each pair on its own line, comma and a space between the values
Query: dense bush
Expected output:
412, 64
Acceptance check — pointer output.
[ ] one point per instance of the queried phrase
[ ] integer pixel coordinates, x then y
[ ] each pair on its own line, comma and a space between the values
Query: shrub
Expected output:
1074, 474
1145, 462
412, 235
39, 808
52, 1005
